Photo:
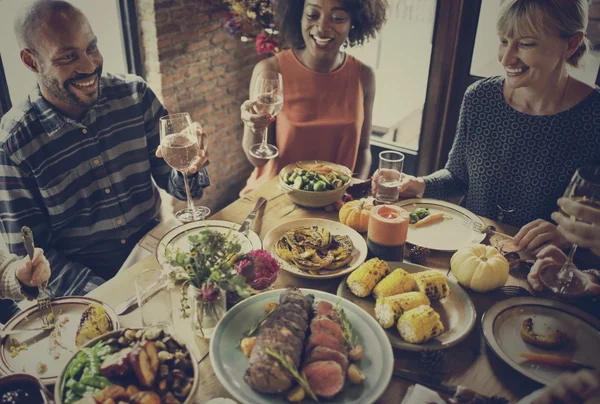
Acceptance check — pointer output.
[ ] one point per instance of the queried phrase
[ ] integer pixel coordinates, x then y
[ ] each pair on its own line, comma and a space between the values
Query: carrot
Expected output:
436, 217
555, 360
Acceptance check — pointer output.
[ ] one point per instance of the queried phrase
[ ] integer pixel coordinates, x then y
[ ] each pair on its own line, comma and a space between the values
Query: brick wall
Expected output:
197, 67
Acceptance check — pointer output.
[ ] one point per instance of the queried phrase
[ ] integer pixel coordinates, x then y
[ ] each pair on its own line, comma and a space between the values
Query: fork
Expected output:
469, 223
44, 305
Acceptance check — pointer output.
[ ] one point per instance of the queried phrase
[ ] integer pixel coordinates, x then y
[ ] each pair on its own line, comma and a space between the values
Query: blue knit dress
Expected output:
504, 160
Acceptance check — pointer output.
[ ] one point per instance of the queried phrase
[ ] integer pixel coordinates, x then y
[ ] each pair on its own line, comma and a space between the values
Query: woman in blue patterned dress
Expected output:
521, 136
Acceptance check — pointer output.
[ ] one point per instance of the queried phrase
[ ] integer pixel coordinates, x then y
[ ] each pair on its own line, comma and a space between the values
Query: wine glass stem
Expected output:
263, 144
563, 271
190, 202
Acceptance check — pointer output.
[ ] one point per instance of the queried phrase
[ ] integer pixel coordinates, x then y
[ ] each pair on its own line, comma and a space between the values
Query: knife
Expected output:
460, 393
250, 218
20, 330
122, 308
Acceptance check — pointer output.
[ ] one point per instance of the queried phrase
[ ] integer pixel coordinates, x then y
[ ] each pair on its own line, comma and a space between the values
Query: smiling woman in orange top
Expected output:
328, 94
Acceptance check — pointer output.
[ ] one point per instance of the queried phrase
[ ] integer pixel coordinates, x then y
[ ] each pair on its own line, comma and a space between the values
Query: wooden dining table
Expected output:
470, 364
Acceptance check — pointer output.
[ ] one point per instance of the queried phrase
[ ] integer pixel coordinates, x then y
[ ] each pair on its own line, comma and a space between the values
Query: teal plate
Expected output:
230, 364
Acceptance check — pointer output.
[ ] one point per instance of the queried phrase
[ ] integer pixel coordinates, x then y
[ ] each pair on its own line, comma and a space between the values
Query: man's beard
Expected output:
63, 92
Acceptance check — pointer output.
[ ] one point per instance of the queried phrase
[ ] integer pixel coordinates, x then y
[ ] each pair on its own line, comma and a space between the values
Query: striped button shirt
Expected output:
86, 188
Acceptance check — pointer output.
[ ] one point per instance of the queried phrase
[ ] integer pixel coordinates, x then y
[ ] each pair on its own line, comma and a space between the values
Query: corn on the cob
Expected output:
362, 281
432, 283
419, 325
388, 309
399, 281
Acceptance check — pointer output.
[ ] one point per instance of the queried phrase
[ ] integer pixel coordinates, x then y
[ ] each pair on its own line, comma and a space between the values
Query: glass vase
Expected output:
206, 314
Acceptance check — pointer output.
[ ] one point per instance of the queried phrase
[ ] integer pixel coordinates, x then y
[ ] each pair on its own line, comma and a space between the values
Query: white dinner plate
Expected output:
451, 234
38, 344
456, 311
177, 238
501, 326
336, 229
230, 364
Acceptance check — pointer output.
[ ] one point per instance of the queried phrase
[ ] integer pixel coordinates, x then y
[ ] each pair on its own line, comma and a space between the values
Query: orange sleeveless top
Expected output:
321, 119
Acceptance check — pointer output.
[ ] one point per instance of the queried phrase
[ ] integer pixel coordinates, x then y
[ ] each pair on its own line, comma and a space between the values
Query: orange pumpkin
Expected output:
355, 214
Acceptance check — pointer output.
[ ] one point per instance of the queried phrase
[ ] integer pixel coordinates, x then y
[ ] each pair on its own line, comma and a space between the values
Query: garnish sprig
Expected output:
347, 330
300, 378
250, 332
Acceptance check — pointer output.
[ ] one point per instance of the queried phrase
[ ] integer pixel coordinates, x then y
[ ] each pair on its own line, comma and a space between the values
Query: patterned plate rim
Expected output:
333, 274
488, 320
16, 320
252, 237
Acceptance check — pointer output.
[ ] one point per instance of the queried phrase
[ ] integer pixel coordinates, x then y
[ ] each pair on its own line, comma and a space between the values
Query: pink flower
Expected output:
259, 268
209, 292
266, 43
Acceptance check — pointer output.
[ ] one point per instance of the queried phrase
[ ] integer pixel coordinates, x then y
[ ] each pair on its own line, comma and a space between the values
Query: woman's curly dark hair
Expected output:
367, 17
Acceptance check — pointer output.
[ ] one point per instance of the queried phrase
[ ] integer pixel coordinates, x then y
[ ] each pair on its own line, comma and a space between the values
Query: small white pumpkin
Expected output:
479, 267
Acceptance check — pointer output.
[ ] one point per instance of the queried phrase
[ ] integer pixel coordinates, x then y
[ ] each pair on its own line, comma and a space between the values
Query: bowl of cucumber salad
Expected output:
313, 183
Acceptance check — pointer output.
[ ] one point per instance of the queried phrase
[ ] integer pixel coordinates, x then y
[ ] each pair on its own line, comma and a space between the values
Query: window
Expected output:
400, 56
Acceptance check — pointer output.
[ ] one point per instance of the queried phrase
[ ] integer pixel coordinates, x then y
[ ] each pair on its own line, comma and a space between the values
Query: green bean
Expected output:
71, 397
78, 388
94, 366
98, 382
78, 363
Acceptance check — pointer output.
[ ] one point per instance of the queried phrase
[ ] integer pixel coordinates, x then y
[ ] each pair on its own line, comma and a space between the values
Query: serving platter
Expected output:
335, 228
501, 326
454, 232
229, 363
456, 311
67, 310
177, 238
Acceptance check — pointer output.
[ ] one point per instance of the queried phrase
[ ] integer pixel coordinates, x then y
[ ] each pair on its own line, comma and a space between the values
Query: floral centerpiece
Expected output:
213, 269
253, 20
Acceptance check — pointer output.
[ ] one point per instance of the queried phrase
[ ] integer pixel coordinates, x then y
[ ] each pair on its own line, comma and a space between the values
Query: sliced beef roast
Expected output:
324, 323
284, 332
325, 378
321, 353
326, 353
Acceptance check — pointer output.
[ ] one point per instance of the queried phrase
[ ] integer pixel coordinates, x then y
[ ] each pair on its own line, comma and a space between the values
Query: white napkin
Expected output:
418, 394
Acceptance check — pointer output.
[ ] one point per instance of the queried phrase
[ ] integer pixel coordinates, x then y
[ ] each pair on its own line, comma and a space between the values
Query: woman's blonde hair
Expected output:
565, 17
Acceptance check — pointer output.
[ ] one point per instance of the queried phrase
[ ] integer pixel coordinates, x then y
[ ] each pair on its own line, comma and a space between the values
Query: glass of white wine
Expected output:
180, 148
585, 189
268, 99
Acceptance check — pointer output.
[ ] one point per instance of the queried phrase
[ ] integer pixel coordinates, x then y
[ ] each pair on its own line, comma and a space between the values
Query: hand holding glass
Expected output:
584, 188
154, 299
389, 176
268, 99
180, 148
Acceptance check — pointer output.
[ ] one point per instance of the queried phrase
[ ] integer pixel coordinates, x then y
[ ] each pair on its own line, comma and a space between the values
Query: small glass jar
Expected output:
206, 314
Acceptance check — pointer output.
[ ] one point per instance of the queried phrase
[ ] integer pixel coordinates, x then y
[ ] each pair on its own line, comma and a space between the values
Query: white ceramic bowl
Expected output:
313, 199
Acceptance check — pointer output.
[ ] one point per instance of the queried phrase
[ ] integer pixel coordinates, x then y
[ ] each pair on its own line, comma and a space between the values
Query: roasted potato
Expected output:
113, 392
142, 367
549, 341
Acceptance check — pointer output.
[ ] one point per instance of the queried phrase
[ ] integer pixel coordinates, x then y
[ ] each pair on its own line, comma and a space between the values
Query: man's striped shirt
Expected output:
87, 189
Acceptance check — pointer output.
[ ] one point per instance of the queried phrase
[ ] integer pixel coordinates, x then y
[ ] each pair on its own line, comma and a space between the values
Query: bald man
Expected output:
78, 161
